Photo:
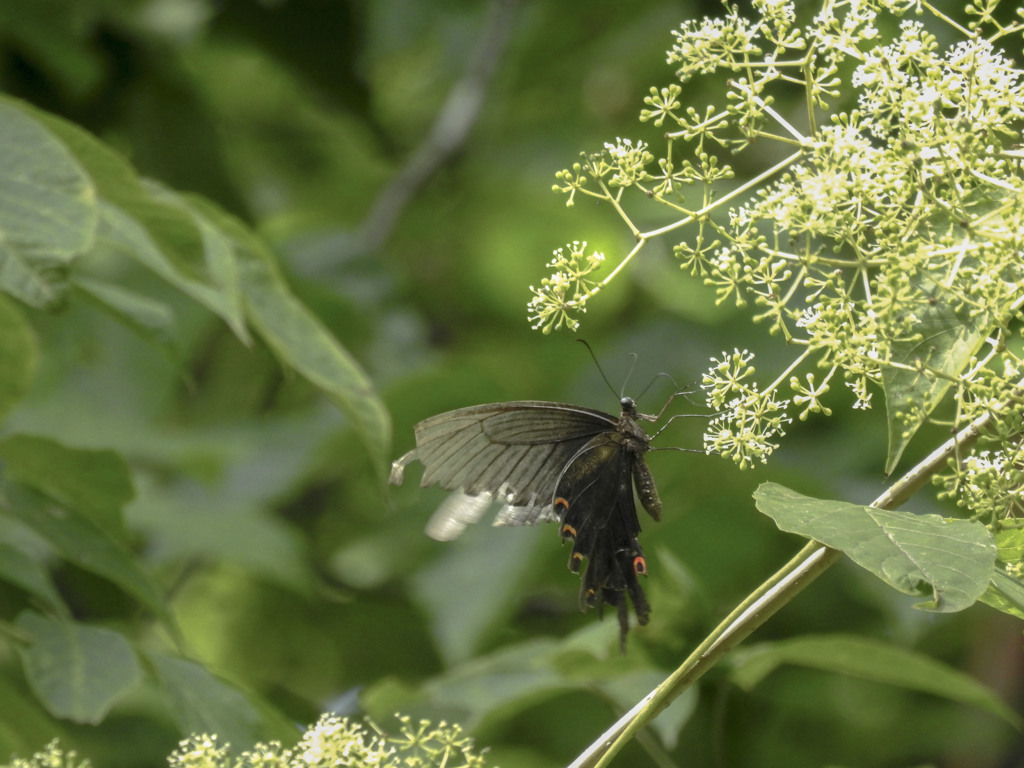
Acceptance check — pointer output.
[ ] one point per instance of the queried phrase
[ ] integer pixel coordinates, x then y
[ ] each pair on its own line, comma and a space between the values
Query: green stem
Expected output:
722, 200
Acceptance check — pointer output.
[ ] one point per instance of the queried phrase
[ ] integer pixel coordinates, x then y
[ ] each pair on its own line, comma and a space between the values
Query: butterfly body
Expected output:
546, 461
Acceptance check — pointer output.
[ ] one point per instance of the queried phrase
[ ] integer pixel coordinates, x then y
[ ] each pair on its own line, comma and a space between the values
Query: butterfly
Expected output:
545, 461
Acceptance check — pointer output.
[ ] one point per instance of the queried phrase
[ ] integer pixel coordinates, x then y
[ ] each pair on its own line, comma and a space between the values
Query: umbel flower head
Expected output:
884, 244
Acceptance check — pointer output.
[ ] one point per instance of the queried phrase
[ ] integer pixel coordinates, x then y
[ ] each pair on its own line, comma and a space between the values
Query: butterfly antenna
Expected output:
599, 369
651, 384
629, 375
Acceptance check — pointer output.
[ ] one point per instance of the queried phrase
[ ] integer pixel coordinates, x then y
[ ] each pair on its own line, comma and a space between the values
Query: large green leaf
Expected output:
77, 671
18, 354
472, 586
47, 208
144, 221
24, 722
150, 318
949, 560
225, 530
516, 678
96, 483
300, 340
870, 660
80, 541
200, 702
206, 254
31, 575
123, 234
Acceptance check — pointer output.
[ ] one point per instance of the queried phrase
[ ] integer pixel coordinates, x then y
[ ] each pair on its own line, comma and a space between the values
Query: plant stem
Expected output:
765, 601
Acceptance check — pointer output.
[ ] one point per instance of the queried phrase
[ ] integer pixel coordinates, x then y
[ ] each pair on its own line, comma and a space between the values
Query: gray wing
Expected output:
502, 453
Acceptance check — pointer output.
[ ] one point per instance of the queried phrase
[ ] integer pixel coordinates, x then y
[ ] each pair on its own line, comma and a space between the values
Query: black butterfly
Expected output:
549, 461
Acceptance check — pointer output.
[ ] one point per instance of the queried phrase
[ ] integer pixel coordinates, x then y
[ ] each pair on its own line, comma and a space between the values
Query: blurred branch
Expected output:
449, 132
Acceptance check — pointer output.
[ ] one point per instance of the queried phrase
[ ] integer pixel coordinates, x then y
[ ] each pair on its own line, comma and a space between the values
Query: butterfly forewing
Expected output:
522, 446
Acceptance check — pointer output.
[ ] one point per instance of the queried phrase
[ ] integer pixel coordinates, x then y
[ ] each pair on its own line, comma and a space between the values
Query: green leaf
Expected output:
869, 660
215, 260
225, 530
1005, 594
18, 354
950, 560
23, 571
24, 722
1010, 542
945, 341
47, 208
299, 340
463, 611
77, 671
200, 702
144, 221
96, 483
158, 247
152, 319
219, 257
516, 678
82, 543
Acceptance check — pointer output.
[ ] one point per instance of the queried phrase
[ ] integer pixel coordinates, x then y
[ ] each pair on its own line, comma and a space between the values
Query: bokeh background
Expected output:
398, 156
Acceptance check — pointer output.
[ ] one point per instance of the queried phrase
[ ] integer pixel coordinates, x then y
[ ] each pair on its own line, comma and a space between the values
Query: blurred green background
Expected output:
294, 573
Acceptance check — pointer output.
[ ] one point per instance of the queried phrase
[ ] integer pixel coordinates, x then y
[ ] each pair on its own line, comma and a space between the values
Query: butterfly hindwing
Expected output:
598, 514
515, 449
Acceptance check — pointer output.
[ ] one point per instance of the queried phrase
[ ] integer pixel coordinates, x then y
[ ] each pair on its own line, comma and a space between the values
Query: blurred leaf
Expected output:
216, 260
509, 680
122, 234
78, 672
219, 258
96, 483
81, 542
24, 723
144, 221
153, 319
944, 340
515, 678
21, 570
201, 702
869, 660
1005, 594
300, 340
1010, 542
471, 587
951, 560
49, 35
18, 353
47, 208
626, 690
222, 529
